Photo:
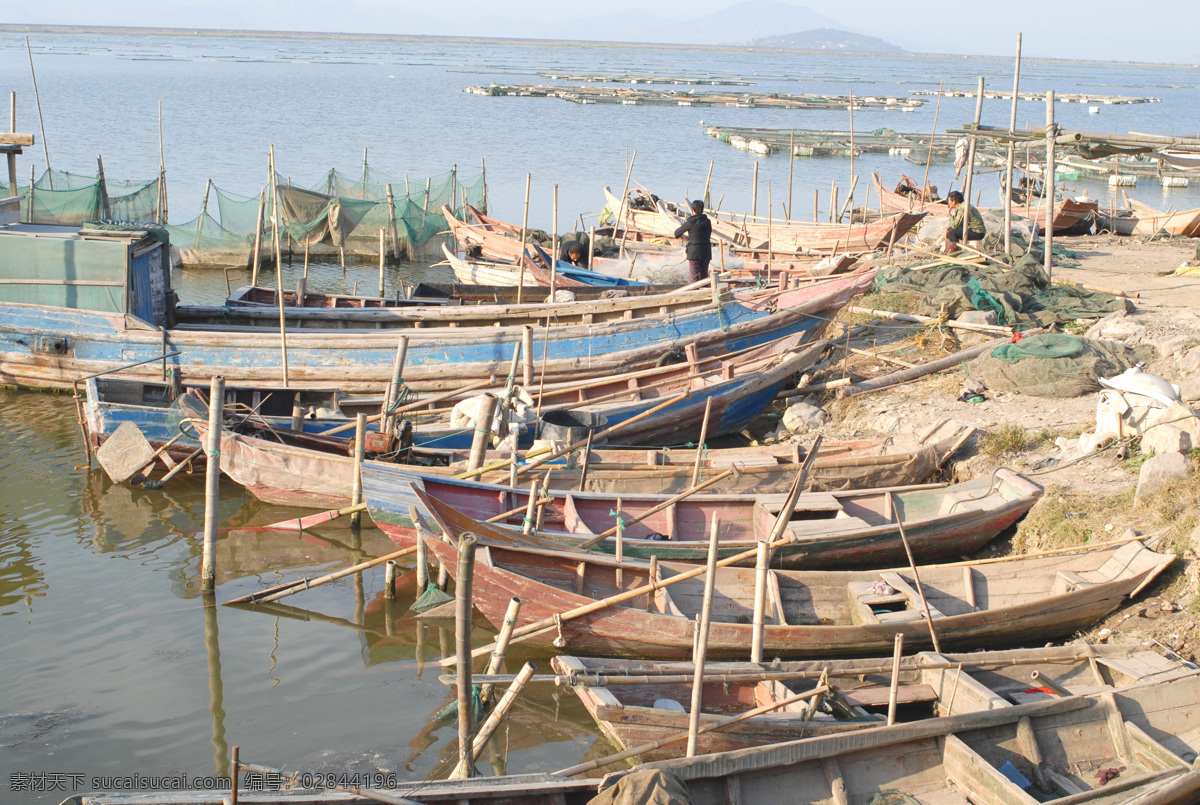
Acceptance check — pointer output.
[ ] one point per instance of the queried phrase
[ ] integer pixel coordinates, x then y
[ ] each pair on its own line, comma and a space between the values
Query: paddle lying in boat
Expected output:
831, 529
809, 614
639, 703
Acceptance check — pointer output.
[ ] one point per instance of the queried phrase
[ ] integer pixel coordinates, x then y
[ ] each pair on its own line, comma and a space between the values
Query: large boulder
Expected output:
1158, 471
802, 417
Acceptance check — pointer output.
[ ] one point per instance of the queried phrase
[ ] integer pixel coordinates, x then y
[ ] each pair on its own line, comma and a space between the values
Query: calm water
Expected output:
111, 664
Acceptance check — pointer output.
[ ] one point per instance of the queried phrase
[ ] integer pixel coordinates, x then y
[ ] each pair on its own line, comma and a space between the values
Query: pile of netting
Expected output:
59, 197
340, 212
1021, 296
1054, 365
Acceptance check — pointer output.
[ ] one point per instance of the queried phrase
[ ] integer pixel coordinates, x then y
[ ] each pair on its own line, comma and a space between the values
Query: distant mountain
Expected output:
827, 39
735, 24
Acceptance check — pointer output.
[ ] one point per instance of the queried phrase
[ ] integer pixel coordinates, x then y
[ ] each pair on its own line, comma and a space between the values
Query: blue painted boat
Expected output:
75, 302
740, 387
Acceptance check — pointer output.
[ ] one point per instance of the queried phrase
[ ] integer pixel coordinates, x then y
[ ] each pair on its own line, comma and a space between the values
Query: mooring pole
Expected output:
462, 635
971, 163
1051, 133
212, 482
1008, 170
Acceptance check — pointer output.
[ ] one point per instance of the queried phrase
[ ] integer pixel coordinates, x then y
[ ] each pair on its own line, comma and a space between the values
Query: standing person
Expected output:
976, 229
699, 245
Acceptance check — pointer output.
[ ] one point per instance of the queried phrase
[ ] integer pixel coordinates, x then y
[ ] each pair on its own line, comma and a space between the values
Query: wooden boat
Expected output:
261, 296
567, 276
1070, 216
639, 703
834, 530
51, 334
501, 241
739, 386
1127, 746
781, 235
811, 614
1182, 224
1119, 748
912, 201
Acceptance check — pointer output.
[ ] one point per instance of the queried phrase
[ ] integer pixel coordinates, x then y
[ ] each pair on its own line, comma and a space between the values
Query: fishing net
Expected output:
450, 711
892, 798
1022, 295
645, 787
205, 234
239, 214
432, 597
1054, 365
59, 197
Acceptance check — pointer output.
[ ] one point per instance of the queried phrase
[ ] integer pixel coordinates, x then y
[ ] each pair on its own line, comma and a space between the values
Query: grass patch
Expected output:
1045, 438
895, 301
1064, 519
1004, 440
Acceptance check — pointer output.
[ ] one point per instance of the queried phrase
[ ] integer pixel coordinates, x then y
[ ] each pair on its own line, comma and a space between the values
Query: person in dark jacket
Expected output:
699, 245
573, 252
976, 229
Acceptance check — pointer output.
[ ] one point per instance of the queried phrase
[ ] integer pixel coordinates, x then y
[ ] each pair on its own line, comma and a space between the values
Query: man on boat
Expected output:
572, 252
699, 246
976, 229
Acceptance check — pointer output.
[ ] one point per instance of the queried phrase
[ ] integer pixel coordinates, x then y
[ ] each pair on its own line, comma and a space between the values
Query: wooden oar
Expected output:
655, 510
682, 736
292, 587
912, 564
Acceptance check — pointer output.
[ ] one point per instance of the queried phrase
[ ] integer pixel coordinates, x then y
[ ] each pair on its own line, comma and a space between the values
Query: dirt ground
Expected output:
1090, 500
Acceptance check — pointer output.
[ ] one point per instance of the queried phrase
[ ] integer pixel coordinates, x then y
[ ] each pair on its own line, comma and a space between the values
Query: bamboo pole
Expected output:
700, 444
392, 222
162, 169
524, 239
256, 259
212, 483
528, 523
656, 509
791, 165
754, 192
896, 652
381, 259
482, 430
905, 375
462, 637
851, 194
715, 725
701, 651
816, 205
389, 579
932, 140
591, 246
1051, 132
554, 247
620, 546
488, 728
971, 164
833, 203
707, 183
275, 223
422, 553
496, 663
38, 100
527, 355
445, 395
761, 566
623, 206
394, 385
1008, 170
356, 494
912, 564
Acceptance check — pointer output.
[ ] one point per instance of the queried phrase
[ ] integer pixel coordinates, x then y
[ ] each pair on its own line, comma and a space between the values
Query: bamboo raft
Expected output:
648, 97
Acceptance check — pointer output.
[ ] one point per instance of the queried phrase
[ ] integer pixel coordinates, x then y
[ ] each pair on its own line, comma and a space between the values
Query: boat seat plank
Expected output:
877, 695
804, 528
809, 501
914, 597
1066, 581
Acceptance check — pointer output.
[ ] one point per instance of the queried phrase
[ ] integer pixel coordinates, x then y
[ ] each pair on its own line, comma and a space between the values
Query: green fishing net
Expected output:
432, 597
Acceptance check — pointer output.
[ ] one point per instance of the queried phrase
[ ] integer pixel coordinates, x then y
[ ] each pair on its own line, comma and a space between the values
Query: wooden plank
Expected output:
1027, 740
733, 790
978, 779
1116, 726
1065, 786
877, 696
1150, 752
914, 598
837, 786
15, 138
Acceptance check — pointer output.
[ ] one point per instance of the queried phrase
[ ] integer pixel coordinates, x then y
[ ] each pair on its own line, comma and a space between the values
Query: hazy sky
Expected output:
1161, 31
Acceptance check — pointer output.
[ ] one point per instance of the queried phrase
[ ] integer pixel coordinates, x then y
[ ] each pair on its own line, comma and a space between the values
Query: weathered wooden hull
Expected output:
629, 630
296, 476
631, 714
854, 541
1182, 224
891, 201
41, 346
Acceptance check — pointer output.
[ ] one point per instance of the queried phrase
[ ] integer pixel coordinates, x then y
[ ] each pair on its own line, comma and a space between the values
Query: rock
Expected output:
1121, 329
1097, 329
1184, 418
1189, 389
1170, 345
1158, 471
1103, 635
802, 417
1189, 364
1194, 540
1163, 439
972, 386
